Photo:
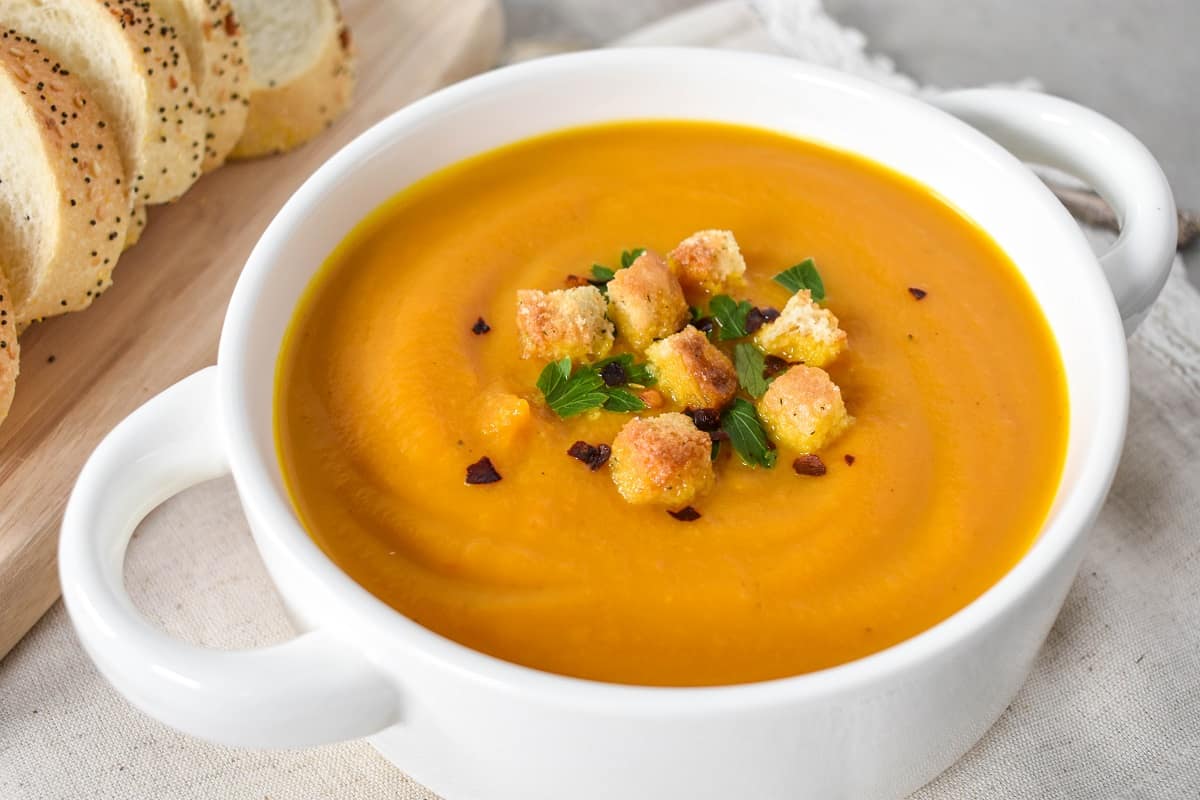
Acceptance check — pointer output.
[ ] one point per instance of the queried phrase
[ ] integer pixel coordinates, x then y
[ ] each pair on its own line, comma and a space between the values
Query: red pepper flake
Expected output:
685, 514
574, 281
757, 317
706, 419
595, 456
917, 293
849, 460
344, 38
231, 24
480, 327
773, 365
810, 464
482, 471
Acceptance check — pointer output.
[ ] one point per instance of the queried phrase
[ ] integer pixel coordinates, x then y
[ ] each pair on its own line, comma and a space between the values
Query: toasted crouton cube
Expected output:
709, 260
804, 332
646, 301
692, 371
563, 323
662, 460
803, 409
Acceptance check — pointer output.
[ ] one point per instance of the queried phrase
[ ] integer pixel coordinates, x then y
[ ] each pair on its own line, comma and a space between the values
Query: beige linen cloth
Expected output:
1112, 709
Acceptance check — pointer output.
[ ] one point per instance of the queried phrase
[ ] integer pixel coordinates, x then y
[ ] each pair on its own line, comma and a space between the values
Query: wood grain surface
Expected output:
82, 373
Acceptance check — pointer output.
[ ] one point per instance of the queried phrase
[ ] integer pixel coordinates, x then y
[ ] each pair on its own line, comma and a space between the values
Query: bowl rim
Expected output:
281, 527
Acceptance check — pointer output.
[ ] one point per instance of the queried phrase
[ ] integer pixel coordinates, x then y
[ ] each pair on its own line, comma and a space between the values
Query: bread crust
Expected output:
215, 44
92, 204
286, 116
10, 351
151, 101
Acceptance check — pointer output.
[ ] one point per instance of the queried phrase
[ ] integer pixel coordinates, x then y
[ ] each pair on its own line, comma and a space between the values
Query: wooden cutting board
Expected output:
83, 373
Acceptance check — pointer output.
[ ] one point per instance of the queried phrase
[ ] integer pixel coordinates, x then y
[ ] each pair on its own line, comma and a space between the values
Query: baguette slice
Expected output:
64, 198
302, 72
10, 351
130, 61
216, 50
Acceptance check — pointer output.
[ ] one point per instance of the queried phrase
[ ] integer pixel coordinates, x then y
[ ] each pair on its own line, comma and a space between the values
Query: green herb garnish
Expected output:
623, 400
569, 393
803, 276
630, 256
730, 316
746, 434
750, 364
602, 273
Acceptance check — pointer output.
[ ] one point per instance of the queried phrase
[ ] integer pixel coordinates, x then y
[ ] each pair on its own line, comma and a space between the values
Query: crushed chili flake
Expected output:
706, 419
719, 436
595, 456
686, 514
917, 293
614, 374
482, 471
574, 281
480, 327
705, 325
773, 365
757, 317
849, 460
810, 464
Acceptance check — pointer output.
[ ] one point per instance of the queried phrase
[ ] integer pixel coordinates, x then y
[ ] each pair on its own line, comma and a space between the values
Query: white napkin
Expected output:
1112, 709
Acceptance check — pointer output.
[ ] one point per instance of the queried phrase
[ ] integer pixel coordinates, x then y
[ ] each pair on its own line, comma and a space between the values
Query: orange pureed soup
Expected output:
959, 400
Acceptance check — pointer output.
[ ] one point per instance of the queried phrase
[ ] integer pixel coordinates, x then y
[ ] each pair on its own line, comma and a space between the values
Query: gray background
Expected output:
1135, 60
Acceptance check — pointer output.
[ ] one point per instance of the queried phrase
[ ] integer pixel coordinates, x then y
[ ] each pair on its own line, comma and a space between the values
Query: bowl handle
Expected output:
1043, 129
309, 690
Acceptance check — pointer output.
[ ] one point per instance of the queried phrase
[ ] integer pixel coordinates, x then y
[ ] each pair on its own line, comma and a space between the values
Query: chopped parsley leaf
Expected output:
803, 276
730, 316
570, 392
751, 367
747, 436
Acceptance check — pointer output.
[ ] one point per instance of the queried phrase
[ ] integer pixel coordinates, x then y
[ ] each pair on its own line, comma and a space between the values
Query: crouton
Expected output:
803, 332
565, 322
692, 371
708, 260
646, 301
662, 460
803, 409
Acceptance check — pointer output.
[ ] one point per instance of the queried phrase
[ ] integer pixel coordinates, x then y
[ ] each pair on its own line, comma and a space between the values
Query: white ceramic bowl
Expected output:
471, 726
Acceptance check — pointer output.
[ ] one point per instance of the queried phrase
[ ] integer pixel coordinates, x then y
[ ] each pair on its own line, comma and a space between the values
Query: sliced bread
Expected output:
215, 47
302, 72
64, 195
10, 351
130, 61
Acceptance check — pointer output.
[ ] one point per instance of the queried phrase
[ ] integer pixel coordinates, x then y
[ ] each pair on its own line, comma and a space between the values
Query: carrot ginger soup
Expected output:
671, 403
